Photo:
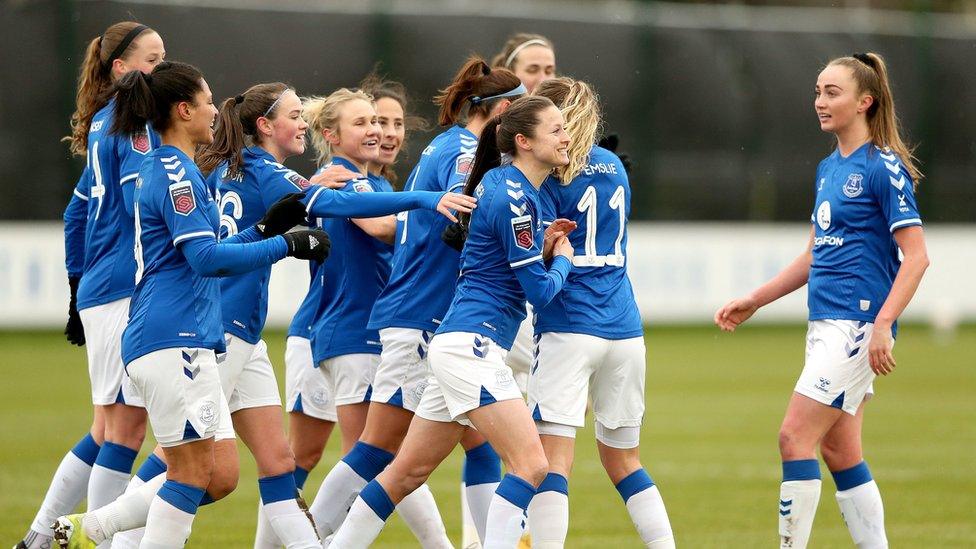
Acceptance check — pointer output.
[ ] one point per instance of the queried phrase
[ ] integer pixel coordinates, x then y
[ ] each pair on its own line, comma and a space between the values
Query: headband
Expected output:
522, 46
120, 49
275, 104
520, 90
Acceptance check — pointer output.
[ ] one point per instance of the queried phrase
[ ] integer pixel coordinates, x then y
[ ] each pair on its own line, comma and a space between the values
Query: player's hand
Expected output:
457, 202
559, 228
879, 350
282, 216
610, 142
334, 177
74, 329
564, 248
455, 235
310, 244
735, 312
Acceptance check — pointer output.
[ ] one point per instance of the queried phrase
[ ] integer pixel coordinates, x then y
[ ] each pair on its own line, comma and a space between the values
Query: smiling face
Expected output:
200, 115
357, 135
389, 114
534, 64
838, 102
284, 128
145, 52
549, 143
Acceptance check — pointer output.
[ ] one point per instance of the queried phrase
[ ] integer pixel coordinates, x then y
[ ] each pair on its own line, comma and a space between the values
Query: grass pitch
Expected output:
714, 404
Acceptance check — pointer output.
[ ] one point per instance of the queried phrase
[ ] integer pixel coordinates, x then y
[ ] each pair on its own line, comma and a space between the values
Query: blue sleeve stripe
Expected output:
905, 222
524, 262
81, 196
196, 234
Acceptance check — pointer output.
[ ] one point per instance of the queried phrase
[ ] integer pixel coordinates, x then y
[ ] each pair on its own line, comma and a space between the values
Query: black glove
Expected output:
311, 244
282, 216
610, 143
74, 329
454, 235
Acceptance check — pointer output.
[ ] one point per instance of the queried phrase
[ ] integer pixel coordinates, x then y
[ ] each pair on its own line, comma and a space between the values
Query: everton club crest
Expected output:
853, 187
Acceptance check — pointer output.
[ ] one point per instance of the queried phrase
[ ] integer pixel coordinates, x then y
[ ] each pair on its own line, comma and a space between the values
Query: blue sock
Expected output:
634, 483
277, 488
151, 468
516, 491
116, 457
554, 482
87, 449
367, 461
481, 466
301, 475
184, 497
378, 500
853, 477
801, 469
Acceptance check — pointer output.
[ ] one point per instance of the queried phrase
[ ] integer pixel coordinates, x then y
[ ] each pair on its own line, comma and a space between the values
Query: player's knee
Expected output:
787, 442
531, 465
839, 455
223, 481
415, 474
308, 457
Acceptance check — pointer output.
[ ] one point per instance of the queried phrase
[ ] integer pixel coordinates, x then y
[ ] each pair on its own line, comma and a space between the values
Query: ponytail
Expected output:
486, 157
580, 107
871, 74
142, 98
95, 79
228, 142
474, 80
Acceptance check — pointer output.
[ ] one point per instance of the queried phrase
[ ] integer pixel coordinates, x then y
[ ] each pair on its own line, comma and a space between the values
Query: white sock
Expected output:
171, 516
337, 493
479, 499
110, 474
68, 487
265, 537
506, 515
419, 511
291, 525
863, 512
798, 500
366, 519
549, 512
129, 511
647, 510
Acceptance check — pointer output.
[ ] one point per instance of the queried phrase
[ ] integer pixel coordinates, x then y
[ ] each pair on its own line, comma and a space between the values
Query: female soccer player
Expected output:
169, 346
249, 179
101, 271
590, 340
864, 214
531, 57
503, 262
415, 300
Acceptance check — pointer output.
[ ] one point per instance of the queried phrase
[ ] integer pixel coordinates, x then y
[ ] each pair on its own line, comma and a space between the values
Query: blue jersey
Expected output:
597, 298
861, 201
113, 162
301, 323
244, 200
425, 270
502, 261
353, 275
172, 306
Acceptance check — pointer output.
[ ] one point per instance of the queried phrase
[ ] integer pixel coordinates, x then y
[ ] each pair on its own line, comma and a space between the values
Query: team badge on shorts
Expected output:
208, 413
522, 231
140, 142
181, 195
853, 187
297, 180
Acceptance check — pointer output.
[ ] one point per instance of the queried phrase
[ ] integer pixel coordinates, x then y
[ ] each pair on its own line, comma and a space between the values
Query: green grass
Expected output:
714, 403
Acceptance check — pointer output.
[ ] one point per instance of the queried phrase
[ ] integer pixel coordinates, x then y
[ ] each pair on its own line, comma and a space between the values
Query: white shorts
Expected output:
104, 325
570, 367
469, 372
522, 355
350, 377
403, 371
182, 394
305, 389
837, 372
246, 375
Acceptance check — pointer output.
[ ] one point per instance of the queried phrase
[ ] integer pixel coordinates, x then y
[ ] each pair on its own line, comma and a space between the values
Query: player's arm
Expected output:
516, 233
380, 228
541, 285
322, 202
75, 222
790, 279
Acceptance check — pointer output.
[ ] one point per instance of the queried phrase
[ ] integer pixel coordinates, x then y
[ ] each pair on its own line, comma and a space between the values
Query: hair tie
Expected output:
863, 58
485, 69
518, 49
239, 99
124, 44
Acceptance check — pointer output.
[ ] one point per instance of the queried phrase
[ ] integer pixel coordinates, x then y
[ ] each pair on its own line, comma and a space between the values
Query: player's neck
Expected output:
852, 138
476, 125
360, 166
533, 170
181, 140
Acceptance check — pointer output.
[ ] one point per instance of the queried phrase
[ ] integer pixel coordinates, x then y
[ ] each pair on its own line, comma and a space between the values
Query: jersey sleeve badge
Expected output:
297, 180
362, 187
463, 164
181, 195
522, 232
140, 142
